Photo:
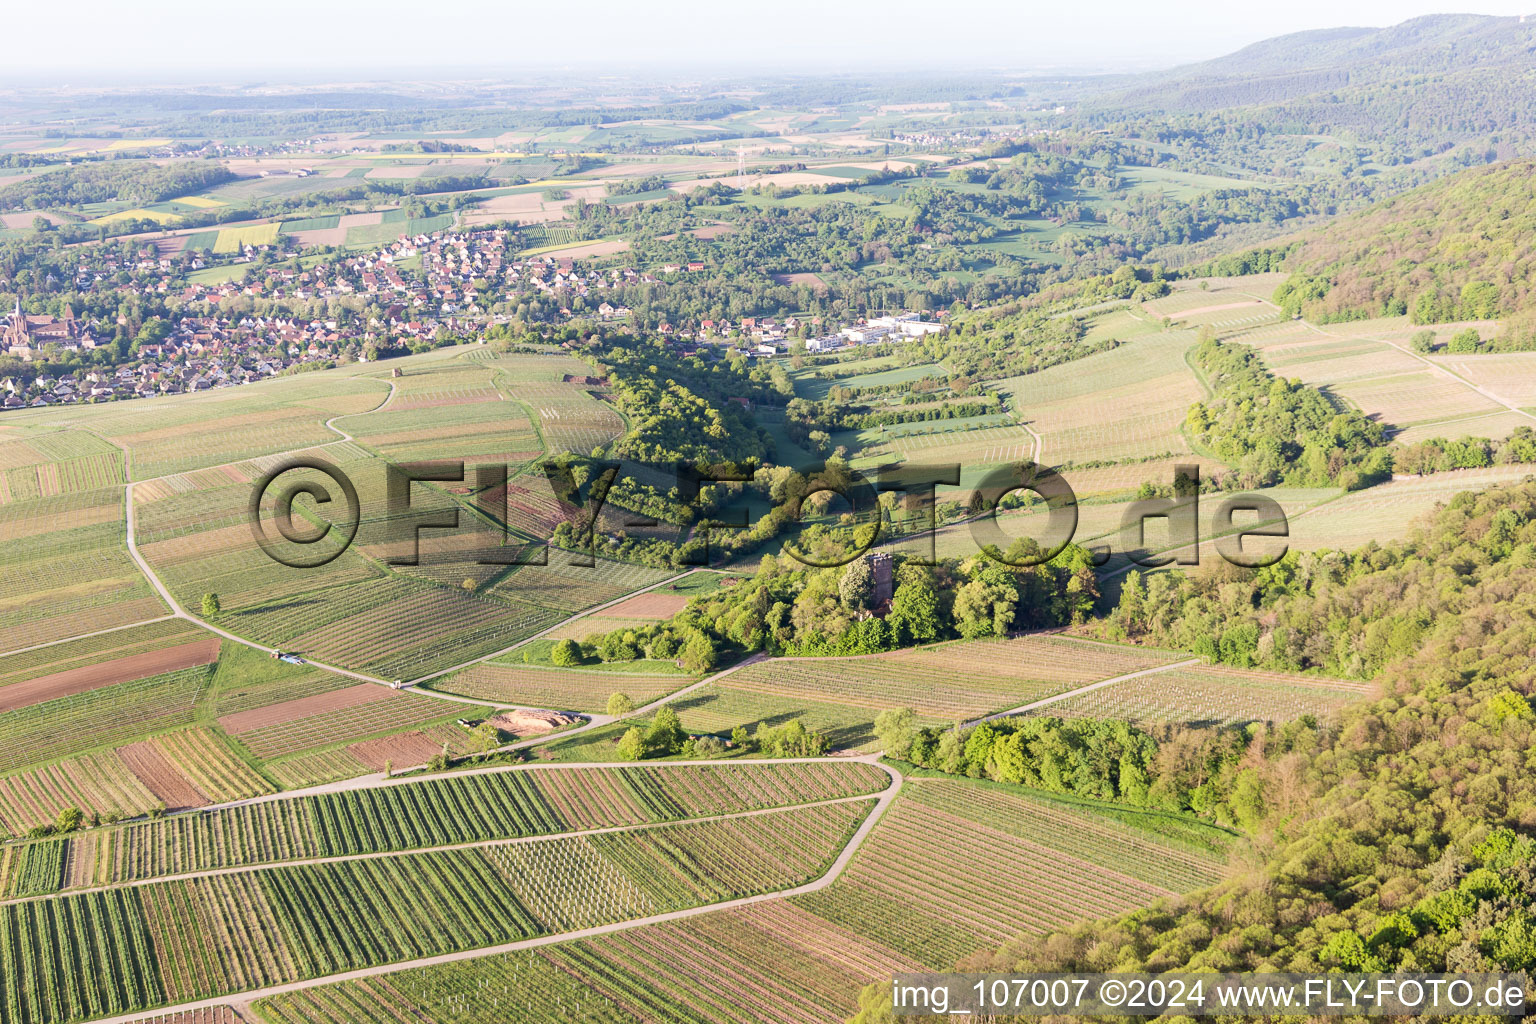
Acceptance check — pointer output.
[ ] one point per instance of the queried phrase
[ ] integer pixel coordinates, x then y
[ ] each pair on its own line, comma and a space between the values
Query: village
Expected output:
412, 295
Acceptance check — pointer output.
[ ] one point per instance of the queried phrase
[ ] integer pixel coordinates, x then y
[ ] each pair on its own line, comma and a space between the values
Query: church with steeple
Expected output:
25, 333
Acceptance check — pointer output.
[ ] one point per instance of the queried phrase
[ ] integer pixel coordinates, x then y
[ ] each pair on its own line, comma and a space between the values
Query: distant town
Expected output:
425, 291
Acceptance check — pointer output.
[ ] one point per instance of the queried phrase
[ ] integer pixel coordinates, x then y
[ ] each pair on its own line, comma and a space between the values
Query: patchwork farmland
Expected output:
283, 923
206, 877
389, 788
439, 812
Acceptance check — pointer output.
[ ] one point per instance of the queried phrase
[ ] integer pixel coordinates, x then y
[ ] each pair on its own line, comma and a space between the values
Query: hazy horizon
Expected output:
305, 44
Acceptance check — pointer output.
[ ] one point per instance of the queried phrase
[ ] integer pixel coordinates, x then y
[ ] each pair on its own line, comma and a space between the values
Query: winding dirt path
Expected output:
1089, 688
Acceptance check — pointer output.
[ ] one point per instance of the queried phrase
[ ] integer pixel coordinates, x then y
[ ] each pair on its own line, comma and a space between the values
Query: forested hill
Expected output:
1400, 841
1304, 63
1460, 248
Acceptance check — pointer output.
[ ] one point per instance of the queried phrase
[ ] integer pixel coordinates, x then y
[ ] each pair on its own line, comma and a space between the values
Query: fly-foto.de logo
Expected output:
305, 512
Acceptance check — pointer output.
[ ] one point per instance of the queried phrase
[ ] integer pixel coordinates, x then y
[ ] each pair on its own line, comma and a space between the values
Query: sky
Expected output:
307, 40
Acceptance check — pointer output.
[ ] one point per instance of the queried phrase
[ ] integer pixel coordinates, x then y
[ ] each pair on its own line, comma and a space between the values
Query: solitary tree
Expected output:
484, 738
857, 584
916, 611
699, 653
70, 818
620, 704
566, 654
632, 746
895, 729
210, 605
666, 734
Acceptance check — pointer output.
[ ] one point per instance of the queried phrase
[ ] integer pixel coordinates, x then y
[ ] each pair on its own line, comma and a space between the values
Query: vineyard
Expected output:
464, 420
114, 714
314, 769
530, 507
525, 987
216, 838
229, 562
959, 680
1126, 403
204, 936
176, 506
407, 749
719, 707
423, 629
1172, 855
92, 650
76, 681
979, 445
332, 718
98, 784
566, 689
219, 427
567, 884
208, 1015
768, 963
687, 865
938, 884
85, 956
454, 383
591, 625
1213, 695
40, 516
571, 587
69, 577
32, 870
445, 811
463, 810
1384, 511
203, 758
60, 463
570, 418
771, 963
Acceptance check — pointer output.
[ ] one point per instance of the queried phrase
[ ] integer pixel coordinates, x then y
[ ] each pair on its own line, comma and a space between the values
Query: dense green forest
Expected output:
1198, 771
1458, 249
788, 608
